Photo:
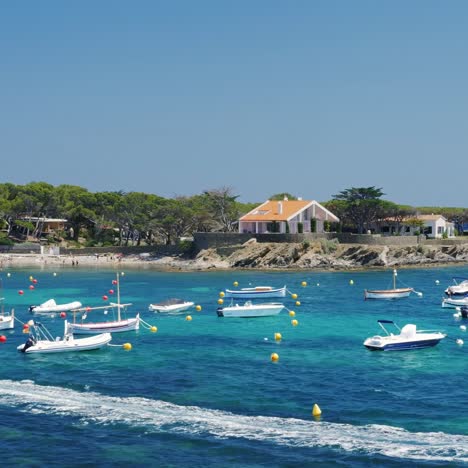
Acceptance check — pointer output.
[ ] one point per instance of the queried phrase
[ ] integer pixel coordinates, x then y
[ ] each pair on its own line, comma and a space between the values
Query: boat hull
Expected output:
104, 327
50, 307
387, 293
255, 293
69, 344
397, 343
7, 322
247, 311
170, 309
454, 303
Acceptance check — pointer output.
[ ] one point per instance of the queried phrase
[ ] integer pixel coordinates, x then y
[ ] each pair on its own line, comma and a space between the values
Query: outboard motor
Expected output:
28, 344
464, 311
31, 308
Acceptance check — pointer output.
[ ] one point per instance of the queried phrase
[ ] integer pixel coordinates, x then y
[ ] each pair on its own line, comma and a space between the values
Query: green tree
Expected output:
361, 205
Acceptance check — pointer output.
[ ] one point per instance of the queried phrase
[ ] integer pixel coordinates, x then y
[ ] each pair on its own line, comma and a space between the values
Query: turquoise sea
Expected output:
205, 392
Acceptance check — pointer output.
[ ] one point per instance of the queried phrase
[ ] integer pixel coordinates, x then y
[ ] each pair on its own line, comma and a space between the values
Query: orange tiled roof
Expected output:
269, 211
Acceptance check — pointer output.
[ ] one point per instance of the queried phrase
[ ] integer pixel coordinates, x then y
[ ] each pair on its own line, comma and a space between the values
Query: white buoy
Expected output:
463, 327
459, 342
437, 281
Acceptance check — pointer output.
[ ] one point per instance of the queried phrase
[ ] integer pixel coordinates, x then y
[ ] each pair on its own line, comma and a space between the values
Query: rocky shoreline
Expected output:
266, 256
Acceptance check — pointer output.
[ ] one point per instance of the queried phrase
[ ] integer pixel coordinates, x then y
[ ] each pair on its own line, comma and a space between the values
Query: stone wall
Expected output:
372, 239
25, 248
206, 240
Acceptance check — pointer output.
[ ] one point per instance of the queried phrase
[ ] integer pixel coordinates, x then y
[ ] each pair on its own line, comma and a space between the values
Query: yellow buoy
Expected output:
351, 282
304, 284
220, 301
294, 323
274, 357
188, 318
278, 336
298, 303
127, 346
154, 329
294, 295
316, 411
235, 284
221, 294
292, 313
26, 330
198, 308
31, 278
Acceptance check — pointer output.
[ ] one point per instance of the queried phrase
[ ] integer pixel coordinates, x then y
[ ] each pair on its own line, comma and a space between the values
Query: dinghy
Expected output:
51, 306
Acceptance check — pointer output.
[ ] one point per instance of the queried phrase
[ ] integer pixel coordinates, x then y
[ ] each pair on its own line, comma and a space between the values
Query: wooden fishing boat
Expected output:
393, 293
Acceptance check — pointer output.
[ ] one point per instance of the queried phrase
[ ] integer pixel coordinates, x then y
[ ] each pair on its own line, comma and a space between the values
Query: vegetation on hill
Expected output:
120, 218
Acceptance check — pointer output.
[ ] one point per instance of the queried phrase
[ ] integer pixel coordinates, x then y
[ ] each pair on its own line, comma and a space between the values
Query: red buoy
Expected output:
35, 281
111, 291
20, 292
104, 298
114, 281
2, 338
31, 287
63, 314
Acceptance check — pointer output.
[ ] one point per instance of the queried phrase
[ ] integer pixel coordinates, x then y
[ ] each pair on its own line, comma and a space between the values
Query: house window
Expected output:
408, 229
440, 230
428, 230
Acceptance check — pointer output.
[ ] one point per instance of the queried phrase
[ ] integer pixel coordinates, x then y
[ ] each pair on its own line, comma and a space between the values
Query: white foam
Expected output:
158, 415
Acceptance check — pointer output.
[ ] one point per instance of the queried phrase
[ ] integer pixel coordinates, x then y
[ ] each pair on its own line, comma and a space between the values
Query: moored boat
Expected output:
392, 293
257, 292
40, 341
459, 289
51, 306
250, 310
171, 306
7, 320
453, 303
408, 338
119, 324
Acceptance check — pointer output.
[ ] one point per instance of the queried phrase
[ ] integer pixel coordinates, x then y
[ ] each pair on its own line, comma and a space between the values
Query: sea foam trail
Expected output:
161, 416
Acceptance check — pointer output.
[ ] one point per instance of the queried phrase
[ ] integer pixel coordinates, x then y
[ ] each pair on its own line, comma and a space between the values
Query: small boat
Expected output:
51, 306
118, 325
459, 289
455, 302
393, 293
258, 292
41, 341
408, 338
172, 306
250, 310
7, 320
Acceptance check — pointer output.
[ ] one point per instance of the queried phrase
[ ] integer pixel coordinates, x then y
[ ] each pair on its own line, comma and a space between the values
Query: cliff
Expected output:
324, 255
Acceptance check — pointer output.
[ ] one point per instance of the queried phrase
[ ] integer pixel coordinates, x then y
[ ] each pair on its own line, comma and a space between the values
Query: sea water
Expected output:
206, 393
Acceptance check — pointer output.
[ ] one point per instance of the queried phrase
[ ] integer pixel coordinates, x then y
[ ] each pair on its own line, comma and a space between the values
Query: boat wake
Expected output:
160, 416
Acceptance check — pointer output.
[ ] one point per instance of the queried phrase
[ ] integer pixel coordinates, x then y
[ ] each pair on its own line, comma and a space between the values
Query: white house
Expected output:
434, 226
283, 216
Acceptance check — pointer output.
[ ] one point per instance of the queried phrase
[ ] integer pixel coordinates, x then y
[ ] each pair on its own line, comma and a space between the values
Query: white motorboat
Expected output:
393, 293
119, 324
51, 306
7, 320
171, 306
250, 310
41, 341
459, 289
257, 292
408, 338
452, 303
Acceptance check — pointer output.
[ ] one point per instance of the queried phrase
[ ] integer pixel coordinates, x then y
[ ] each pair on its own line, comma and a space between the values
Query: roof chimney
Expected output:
280, 208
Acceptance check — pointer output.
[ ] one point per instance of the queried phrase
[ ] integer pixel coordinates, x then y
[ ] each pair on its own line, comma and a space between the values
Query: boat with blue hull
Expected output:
409, 338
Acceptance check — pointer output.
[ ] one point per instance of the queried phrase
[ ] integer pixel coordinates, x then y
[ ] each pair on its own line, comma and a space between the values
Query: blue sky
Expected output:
177, 97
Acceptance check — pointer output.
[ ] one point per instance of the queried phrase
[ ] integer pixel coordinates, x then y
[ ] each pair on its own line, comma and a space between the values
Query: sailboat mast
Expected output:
118, 297
394, 279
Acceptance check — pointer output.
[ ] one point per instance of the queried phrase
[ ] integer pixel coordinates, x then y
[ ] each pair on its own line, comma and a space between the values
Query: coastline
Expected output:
176, 264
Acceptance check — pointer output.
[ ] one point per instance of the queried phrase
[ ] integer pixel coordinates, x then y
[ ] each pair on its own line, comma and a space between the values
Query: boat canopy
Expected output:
385, 321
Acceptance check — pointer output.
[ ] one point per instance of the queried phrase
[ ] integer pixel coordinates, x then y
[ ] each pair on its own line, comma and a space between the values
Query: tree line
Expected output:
118, 218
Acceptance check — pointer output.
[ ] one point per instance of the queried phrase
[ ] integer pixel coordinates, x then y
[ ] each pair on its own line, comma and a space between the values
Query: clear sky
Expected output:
263, 96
